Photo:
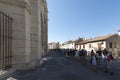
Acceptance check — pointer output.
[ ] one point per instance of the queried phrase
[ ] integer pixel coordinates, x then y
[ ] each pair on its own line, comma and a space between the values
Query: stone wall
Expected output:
38, 30
115, 48
27, 47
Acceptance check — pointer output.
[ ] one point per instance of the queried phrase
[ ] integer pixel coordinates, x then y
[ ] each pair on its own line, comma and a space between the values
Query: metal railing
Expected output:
5, 41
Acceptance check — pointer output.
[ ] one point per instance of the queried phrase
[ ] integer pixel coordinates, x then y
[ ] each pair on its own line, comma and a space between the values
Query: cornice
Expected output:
21, 3
44, 5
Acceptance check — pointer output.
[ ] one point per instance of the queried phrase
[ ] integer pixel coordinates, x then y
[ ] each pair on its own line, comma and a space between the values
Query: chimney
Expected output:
119, 32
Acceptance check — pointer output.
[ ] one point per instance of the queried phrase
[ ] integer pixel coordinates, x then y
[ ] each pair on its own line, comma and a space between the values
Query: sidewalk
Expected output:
102, 64
58, 67
6, 73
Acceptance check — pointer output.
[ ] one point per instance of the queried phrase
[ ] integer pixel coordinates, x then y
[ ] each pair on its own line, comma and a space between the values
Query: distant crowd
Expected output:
96, 57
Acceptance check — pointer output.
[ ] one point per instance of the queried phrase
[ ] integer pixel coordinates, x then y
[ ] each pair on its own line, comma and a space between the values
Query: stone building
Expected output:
110, 42
53, 45
27, 21
68, 45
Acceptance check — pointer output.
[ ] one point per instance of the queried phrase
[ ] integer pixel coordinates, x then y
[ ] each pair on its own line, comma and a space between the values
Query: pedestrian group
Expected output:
96, 58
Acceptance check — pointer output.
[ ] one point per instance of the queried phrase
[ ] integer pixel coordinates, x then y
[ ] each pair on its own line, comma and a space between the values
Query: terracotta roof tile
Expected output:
85, 41
97, 39
101, 38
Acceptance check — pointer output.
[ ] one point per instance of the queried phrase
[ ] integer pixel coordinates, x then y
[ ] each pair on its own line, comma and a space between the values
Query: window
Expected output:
115, 45
110, 45
99, 46
77, 46
90, 46
83, 45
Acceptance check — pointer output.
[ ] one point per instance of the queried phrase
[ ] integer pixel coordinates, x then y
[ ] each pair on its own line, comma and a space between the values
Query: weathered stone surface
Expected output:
27, 42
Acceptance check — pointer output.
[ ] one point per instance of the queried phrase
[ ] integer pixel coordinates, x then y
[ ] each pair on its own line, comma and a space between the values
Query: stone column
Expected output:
44, 26
36, 48
21, 38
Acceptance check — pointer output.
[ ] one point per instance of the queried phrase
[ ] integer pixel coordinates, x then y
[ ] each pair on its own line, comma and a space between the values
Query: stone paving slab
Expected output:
62, 68
6, 73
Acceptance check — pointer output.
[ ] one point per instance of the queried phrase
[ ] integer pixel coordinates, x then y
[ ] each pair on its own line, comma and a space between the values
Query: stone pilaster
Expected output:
20, 11
29, 31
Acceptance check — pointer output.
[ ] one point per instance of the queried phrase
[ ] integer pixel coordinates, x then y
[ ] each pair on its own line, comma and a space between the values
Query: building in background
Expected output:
23, 33
68, 45
53, 45
77, 47
71, 44
110, 42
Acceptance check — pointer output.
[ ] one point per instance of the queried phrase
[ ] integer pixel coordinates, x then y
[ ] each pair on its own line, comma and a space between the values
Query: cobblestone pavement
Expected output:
58, 67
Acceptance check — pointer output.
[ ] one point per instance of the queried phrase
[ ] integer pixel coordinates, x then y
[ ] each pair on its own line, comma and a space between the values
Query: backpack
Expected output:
109, 58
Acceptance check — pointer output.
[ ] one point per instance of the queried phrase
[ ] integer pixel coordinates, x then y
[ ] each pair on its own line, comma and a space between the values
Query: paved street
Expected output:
58, 67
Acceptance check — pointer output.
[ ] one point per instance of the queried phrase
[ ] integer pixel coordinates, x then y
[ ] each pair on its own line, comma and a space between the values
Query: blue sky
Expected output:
70, 19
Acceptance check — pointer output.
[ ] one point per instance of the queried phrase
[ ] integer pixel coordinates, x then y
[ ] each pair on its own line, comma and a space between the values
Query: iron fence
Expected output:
5, 41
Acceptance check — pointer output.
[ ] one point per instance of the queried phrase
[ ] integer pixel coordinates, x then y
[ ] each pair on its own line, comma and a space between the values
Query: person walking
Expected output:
109, 61
99, 55
93, 61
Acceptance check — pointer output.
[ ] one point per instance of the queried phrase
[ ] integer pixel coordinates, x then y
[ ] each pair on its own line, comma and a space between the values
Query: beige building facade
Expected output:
29, 31
110, 42
68, 45
53, 45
